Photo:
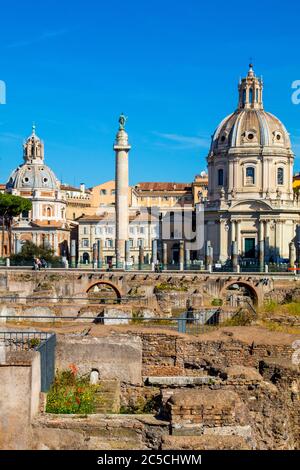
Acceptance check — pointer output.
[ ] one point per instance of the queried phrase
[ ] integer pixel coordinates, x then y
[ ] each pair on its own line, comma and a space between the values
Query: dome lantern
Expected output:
250, 91
33, 148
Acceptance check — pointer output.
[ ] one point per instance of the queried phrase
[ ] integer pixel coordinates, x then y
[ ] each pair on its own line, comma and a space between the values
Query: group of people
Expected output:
39, 263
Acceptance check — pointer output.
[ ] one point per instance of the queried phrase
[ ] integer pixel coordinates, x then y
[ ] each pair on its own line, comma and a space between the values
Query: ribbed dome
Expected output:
33, 176
250, 128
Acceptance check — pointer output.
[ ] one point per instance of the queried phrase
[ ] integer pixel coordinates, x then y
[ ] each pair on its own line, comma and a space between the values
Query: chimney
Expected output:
82, 187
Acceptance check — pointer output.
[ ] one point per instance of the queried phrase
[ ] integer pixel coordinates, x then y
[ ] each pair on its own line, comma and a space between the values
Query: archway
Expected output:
239, 293
86, 258
104, 292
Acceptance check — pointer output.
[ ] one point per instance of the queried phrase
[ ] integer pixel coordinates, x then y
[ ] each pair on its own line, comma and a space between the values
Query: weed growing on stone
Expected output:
71, 393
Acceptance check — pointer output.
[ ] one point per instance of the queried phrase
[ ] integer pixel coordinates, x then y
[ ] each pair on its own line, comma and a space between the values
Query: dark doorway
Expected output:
249, 247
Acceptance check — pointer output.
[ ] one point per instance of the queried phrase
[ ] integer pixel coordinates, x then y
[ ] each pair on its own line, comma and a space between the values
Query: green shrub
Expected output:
165, 286
217, 302
34, 343
71, 393
241, 318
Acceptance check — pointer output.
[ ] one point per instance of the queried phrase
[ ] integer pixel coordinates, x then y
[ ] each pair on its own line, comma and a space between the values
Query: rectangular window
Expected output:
85, 242
109, 243
131, 243
113, 192
140, 242
250, 175
85, 230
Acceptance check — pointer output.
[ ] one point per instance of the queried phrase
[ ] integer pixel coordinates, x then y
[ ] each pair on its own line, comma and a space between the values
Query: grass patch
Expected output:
241, 318
141, 406
274, 326
168, 287
291, 308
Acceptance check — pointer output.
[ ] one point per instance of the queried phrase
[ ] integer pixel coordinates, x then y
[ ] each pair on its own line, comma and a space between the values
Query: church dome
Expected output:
250, 126
33, 174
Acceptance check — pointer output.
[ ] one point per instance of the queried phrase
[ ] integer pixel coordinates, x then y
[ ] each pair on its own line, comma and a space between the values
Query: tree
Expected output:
29, 251
10, 207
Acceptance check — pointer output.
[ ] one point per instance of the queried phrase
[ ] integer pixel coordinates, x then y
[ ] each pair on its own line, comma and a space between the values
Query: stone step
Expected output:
108, 397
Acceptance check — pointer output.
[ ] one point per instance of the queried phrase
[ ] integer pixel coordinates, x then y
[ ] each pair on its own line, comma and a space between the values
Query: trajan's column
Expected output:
121, 148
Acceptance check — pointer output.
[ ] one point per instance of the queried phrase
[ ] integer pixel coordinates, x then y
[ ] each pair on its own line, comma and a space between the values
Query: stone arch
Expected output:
107, 283
253, 293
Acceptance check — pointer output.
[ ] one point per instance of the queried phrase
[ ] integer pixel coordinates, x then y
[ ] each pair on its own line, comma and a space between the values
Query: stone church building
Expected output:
46, 224
251, 209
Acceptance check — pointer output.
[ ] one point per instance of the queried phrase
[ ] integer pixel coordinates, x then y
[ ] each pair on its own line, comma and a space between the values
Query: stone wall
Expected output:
164, 354
101, 432
116, 357
20, 385
201, 286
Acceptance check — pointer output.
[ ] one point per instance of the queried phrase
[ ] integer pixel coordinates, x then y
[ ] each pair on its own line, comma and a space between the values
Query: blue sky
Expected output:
171, 66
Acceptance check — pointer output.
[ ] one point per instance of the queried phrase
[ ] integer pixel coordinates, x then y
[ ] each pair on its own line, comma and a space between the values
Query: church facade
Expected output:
251, 210
45, 224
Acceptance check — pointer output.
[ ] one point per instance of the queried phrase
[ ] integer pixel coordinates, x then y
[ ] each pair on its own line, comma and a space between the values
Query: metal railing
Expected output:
39, 341
92, 300
195, 322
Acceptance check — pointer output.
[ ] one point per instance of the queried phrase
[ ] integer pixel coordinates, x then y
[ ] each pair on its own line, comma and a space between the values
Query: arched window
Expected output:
256, 95
49, 212
250, 95
250, 175
244, 96
280, 176
220, 177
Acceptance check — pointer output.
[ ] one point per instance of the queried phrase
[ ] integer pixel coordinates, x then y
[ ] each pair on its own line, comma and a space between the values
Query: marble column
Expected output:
267, 241
207, 260
127, 253
121, 149
292, 254
187, 258
277, 239
99, 254
181, 255
141, 257
154, 252
234, 256
223, 255
238, 236
233, 226
165, 255
94, 255
261, 246
73, 253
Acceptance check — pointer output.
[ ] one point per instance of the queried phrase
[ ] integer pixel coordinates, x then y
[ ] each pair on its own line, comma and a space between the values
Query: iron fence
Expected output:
39, 341
189, 322
92, 300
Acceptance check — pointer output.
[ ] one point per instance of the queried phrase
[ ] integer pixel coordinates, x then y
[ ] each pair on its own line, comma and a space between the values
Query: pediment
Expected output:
251, 206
